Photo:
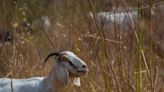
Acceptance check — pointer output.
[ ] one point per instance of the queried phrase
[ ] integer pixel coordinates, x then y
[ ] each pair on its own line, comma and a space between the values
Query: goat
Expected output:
43, 22
67, 66
122, 18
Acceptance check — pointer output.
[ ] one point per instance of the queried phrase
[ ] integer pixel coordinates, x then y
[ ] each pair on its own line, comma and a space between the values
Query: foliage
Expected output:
118, 62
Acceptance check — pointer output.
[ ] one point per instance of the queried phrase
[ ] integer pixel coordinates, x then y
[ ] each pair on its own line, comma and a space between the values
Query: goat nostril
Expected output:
84, 66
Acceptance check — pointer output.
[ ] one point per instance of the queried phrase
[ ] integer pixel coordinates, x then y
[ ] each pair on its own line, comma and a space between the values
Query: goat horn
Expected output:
51, 54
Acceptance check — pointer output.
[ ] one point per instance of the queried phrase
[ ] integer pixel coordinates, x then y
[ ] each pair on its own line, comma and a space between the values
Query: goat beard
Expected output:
76, 81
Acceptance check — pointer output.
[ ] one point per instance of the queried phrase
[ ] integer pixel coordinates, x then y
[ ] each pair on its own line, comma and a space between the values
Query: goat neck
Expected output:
58, 78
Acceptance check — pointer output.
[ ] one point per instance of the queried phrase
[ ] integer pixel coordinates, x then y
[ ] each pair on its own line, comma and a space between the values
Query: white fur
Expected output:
122, 19
57, 79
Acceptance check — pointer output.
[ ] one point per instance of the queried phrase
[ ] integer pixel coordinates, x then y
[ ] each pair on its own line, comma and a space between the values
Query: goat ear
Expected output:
62, 74
64, 57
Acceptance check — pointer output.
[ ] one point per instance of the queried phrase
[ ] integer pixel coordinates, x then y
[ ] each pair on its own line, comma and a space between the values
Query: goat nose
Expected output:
84, 66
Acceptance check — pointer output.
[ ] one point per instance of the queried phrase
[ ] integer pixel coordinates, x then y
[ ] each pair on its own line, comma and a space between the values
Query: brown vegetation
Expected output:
118, 61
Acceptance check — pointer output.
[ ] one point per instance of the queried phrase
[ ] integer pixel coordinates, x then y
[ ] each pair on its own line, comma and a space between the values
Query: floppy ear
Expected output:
62, 74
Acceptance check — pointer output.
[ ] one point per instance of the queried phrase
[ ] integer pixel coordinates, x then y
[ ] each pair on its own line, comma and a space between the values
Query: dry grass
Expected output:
118, 62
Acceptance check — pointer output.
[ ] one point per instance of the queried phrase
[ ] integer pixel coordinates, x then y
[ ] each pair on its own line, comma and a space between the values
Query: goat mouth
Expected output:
81, 71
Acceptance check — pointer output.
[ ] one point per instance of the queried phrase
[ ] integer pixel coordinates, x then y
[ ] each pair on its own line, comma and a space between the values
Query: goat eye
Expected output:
72, 64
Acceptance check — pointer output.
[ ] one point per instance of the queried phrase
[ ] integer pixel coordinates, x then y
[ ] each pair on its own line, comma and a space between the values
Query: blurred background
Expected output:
122, 41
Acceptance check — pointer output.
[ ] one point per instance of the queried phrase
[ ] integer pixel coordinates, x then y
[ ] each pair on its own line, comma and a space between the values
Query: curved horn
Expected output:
49, 55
